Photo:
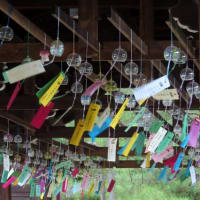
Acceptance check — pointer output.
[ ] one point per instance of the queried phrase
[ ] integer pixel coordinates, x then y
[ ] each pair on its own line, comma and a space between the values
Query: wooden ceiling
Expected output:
147, 19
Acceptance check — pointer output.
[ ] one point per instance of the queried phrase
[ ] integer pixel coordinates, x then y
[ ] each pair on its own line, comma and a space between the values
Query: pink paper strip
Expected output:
111, 185
9, 182
149, 141
13, 96
42, 185
75, 172
83, 184
41, 115
64, 186
90, 90
194, 132
158, 157
170, 162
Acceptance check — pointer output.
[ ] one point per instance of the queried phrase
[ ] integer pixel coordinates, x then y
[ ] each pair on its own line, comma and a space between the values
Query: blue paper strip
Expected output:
162, 173
178, 161
185, 141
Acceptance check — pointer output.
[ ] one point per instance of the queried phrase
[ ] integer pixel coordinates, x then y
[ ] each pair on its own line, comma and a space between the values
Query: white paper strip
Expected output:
24, 71
168, 94
157, 139
193, 175
51, 187
112, 143
152, 88
6, 162
103, 116
25, 180
10, 173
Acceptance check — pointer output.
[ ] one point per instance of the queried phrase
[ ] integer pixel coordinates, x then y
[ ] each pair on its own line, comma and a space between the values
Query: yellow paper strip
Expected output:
102, 185
49, 94
119, 114
42, 196
148, 156
91, 116
142, 101
91, 189
78, 133
130, 144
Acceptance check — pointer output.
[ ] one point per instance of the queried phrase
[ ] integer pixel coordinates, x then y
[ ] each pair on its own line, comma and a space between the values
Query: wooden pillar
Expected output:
88, 19
147, 30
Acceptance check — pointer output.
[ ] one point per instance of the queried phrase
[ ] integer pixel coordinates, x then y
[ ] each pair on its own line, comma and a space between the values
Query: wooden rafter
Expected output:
82, 34
183, 41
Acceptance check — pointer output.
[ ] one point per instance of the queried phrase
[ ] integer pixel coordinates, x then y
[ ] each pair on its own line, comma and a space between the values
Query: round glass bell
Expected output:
85, 68
56, 158
110, 86
131, 68
187, 74
191, 152
31, 153
36, 162
18, 139
83, 157
43, 163
192, 88
77, 87
17, 158
131, 102
167, 103
85, 100
73, 60
197, 94
119, 97
28, 161
147, 115
8, 138
60, 152
119, 55
172, 52
177, 130
27, 60
65, 81
182, 59
57, 48
139, 79
47, 156
68, 153
39, 154
6, 33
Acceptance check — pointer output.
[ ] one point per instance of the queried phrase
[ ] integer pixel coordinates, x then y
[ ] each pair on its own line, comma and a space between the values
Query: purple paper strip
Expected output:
42, 185
58, 196
194, 132
38, 173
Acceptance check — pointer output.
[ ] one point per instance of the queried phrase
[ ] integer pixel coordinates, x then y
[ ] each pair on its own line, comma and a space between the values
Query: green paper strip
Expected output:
32, 190
165, 142
1, 159
136, 118
155, 126
47, 85
61, 165
184, 129
140, 144
37, 191
24, 173
4, 176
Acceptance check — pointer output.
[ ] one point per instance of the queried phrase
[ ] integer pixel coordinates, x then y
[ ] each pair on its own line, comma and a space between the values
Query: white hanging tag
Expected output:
23, 71
10, 173
168, 94
103, 116
25, 180
193, 175
6, 162
157, 139
112, 144
152, 88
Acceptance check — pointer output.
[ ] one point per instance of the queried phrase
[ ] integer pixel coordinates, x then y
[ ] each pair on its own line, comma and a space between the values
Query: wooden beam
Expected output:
82, 34
18, 121
126, 31
20, 19
183, 41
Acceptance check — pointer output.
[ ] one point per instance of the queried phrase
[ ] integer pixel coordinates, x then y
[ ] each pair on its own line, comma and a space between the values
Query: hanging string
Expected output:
73, 36
45, 41
86, 49
28, 40
119, 33
57, 40
131, 45
84, 105
100, 74
141, 44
